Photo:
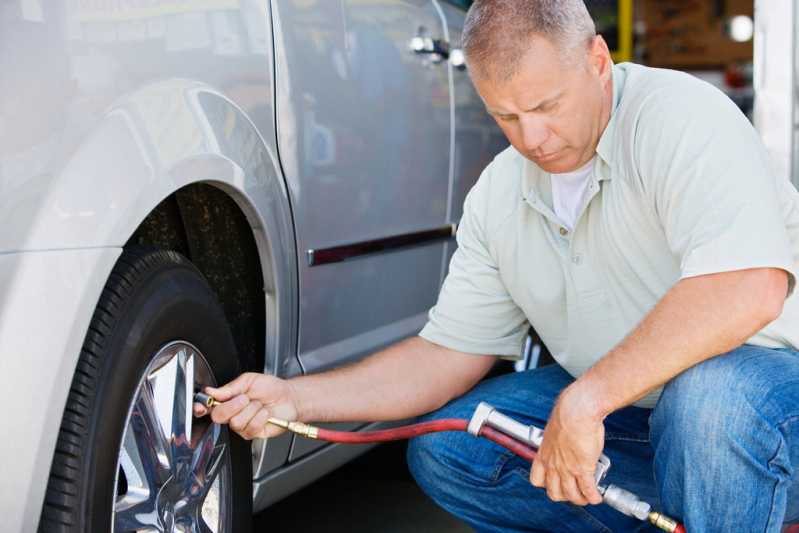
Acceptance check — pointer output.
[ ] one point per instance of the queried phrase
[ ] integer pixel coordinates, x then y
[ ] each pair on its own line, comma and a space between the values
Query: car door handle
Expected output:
457, 59
436, 49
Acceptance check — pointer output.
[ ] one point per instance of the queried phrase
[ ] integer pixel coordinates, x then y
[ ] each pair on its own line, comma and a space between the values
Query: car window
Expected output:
463, 4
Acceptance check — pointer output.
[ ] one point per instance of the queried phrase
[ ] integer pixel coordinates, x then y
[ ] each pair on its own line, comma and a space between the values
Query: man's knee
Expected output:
725, 399
711, 412
709, 407
440, 460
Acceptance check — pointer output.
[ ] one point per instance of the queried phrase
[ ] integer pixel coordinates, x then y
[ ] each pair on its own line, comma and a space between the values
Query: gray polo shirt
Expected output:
682, 187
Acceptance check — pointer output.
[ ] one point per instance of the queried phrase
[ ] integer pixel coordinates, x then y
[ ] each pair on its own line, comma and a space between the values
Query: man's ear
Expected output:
599, 57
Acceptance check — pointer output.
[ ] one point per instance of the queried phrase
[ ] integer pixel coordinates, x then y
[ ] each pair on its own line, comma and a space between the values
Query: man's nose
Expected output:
534, 133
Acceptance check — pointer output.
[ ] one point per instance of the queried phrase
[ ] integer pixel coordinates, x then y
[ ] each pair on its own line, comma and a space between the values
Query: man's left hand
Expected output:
573, 440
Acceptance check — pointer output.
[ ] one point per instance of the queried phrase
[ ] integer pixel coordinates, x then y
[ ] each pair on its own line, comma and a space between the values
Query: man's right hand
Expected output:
248, 401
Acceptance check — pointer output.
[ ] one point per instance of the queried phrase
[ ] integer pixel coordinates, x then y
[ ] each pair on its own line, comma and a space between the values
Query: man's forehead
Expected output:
525, 95
524, 103
536, 81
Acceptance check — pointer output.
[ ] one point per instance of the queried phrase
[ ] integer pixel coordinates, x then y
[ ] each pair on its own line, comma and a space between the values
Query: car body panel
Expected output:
360, 165
48, 299
115, 108
108, 108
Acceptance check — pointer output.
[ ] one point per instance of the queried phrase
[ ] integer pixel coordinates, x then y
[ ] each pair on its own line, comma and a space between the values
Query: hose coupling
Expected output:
663, 522
625, 502
205, 399
300, 428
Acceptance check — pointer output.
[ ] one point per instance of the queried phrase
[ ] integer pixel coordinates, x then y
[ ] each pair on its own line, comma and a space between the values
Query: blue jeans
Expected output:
720, 451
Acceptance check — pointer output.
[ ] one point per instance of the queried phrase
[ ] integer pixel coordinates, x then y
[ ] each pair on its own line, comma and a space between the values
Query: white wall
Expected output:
774, 81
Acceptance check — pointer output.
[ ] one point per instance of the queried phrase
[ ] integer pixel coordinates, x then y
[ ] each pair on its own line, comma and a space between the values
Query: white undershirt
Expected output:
568, 190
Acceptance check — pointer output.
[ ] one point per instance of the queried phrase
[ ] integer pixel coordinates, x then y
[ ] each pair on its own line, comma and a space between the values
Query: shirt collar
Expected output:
608, 138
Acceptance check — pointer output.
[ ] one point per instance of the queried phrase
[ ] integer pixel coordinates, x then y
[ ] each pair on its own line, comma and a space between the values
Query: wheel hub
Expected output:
176, 468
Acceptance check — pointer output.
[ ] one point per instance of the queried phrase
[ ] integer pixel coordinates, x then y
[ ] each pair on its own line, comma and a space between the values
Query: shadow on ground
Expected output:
373, 493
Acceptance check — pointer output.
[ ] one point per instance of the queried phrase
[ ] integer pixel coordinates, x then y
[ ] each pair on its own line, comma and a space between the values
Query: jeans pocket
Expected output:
502, 464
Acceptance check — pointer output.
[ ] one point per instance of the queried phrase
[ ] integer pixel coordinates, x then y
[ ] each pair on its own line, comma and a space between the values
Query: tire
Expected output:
155, 303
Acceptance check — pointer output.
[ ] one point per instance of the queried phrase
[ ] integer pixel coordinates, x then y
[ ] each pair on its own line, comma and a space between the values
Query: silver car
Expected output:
190, 189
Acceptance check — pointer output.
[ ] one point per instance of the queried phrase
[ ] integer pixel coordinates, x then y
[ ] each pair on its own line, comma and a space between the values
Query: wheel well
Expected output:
206, 225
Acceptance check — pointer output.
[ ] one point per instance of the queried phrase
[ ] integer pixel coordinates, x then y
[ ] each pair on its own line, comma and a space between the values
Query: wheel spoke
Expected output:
215, 464
180, 437
145, 445
139, 517
207, 455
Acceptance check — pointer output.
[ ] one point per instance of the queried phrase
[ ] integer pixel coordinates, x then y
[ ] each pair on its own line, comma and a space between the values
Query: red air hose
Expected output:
414, 430
422, 428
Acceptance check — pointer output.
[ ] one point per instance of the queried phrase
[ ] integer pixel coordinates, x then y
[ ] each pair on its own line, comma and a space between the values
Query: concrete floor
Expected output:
376, 489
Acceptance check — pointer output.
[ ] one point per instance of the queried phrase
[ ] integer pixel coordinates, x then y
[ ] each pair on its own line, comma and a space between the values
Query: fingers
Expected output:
553, 486
571, 492
258, 427
580, 490
222, 413
239, 422
547, 478
538, 473
587, 485
238, 386
199, 410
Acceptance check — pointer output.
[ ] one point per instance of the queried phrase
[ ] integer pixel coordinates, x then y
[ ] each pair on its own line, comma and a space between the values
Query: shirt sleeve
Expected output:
474, 313
707, 175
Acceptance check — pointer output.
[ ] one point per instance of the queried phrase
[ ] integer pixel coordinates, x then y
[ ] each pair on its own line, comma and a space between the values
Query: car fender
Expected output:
63, 233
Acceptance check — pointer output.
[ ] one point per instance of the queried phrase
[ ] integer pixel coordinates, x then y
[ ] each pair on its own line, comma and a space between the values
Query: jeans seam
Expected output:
501, 462
773, 490
780, 427
626, 438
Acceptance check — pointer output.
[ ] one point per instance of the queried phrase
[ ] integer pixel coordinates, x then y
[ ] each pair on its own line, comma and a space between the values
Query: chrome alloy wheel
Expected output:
174, 470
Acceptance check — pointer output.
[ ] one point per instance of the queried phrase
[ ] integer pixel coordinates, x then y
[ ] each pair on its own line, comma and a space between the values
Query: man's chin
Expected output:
559, 164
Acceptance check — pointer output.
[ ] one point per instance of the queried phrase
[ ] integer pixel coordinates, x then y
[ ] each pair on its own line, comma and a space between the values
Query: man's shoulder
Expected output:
501, 181
669, 93
499, 189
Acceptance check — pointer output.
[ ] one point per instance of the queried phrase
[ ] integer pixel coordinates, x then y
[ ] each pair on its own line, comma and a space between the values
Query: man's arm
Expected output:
699, 318
408, 379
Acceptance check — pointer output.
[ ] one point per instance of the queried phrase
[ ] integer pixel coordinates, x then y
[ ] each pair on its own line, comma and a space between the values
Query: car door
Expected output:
364, 141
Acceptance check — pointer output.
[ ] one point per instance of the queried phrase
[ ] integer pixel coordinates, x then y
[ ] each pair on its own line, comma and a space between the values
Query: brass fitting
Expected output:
206, 400
297, 427
663, 522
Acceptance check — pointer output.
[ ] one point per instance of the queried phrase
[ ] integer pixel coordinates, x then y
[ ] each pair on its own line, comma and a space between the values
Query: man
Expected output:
636, 225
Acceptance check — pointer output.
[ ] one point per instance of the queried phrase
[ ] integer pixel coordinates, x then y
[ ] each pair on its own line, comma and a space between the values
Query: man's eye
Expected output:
507, 118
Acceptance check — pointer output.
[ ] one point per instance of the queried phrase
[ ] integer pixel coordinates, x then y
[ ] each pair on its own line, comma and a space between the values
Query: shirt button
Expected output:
577, 259
564, 231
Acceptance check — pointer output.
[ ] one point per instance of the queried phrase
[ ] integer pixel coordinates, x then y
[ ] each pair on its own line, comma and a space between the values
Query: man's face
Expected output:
553, 112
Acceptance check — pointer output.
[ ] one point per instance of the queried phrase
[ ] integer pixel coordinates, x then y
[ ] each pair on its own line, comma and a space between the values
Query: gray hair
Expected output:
496, 33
